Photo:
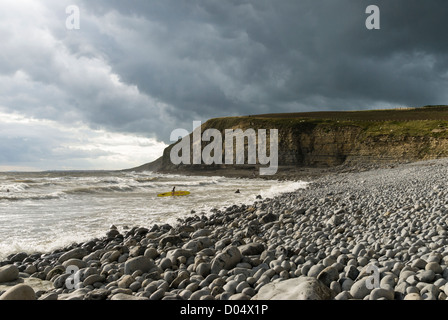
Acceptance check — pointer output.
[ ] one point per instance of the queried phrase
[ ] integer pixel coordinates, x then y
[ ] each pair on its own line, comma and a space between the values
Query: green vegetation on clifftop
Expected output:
417, 122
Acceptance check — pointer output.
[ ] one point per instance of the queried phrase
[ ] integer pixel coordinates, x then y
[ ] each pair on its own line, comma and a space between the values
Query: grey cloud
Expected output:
193, 60
40, 143
241, 57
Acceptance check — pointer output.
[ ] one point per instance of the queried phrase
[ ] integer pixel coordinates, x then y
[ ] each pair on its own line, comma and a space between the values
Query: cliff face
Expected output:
326, 143
350, 145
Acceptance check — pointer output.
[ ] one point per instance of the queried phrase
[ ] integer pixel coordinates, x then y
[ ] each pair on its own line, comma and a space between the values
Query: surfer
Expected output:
174, 188
237, 191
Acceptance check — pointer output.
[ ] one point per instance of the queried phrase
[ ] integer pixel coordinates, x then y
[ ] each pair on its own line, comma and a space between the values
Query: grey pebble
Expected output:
426, 276
157, 295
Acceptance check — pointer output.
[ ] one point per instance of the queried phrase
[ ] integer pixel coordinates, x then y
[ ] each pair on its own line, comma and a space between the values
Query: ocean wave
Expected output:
25, 181
16, 187
55, 195
143, 180
190, 184
95, 190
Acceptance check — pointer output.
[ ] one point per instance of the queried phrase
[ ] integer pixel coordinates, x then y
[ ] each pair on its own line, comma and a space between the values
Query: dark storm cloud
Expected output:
214, 58
148, 67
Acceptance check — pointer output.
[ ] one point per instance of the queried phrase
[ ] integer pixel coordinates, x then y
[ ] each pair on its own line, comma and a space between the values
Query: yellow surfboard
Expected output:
176, 193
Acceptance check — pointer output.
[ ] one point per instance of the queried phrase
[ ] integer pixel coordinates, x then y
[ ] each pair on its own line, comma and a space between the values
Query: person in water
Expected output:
174, 189
237, 191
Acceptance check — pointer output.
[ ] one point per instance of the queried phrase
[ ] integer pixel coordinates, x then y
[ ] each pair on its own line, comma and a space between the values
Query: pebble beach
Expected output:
318, 243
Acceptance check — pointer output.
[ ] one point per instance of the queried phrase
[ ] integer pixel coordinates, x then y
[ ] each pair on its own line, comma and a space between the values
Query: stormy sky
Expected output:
108, 95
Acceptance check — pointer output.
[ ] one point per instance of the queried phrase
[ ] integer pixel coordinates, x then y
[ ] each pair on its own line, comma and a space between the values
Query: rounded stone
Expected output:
142, 263
203, 269
192, 286
19, 257
352, 272
19, 292
230, 286
315, 270
239, 296
405, 274
412, 289
157, 295
434, 266
302, 288
249, 291
134, 286
226, 260
336, 287
151, 253
426, 276
418, 263
124, 296
90, 280
8, 273
200, 293
378, 293
430, 288
169, 276
181, 277
165, 263
75, 262
357, 249
347, 284
328, 275
253, 248
125, 281
388, 281
76, 253
311, 248
185, 294
60, 281
359, 289
344, 295
413, 296
30, 269
241, 286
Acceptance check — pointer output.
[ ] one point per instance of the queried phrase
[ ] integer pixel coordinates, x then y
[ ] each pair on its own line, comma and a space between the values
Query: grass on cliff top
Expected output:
439, 112
425, 121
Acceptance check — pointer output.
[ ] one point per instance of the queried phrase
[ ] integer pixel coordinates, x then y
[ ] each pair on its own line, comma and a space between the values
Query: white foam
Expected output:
278, 189
72, 213
42, 245
14, 187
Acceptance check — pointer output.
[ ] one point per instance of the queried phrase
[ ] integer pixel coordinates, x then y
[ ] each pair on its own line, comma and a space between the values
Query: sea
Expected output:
43, 211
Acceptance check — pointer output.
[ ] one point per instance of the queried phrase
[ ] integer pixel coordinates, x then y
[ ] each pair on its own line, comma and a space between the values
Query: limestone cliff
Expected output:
318, 139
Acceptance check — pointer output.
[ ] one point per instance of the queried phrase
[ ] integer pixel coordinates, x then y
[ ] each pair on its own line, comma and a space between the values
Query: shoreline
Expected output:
284, 172
314, 243
137, 205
